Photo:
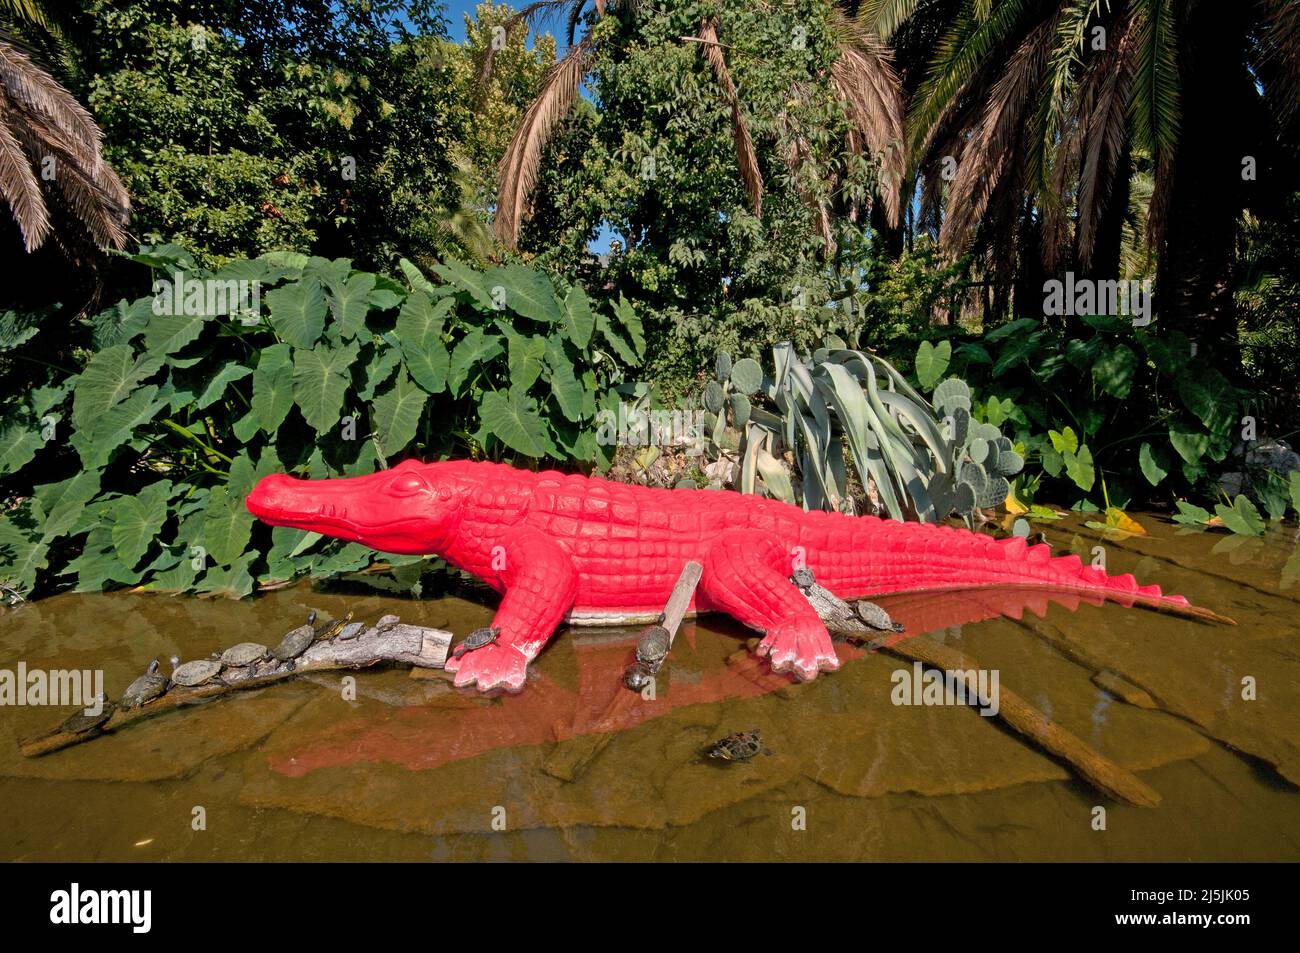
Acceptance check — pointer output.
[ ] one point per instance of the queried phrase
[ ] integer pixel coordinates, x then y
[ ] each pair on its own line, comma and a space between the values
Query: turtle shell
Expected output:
741, 746
387, 622
351, 631
331, 629
476, 640
245, 653
196, 672
81, 722
653, 645
294, 643
145, 688
876, 617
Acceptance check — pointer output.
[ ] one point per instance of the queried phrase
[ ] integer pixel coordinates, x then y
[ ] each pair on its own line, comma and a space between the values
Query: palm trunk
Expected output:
1194, 273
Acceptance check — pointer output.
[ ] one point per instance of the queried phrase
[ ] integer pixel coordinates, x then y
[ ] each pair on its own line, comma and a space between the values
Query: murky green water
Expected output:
576, 767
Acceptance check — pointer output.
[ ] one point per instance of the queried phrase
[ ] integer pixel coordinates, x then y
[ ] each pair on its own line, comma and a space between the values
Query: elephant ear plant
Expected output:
925, 459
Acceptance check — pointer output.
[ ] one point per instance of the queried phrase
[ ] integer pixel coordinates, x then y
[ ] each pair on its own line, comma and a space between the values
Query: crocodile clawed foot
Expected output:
801, 649
491, 667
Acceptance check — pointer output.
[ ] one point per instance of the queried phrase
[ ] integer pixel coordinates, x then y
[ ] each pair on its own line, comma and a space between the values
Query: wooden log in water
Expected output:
403, 644
569, 761
1016, 713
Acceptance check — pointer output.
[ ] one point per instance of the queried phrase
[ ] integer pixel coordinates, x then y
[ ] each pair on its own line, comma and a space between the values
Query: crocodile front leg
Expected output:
540, 585
747, 575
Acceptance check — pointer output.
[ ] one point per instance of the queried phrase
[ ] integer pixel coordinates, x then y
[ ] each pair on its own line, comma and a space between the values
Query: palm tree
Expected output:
1036, 109
53, 175
862, 77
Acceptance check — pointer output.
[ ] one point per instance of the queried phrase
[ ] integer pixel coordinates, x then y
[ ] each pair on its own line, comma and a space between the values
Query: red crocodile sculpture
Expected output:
580, 548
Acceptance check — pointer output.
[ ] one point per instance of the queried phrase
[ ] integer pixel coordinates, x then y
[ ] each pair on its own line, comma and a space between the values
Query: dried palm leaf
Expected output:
522, 160
746, 157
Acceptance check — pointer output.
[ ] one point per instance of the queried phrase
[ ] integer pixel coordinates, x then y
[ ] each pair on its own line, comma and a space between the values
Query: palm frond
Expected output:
1280, 47
992, 148
522, 160
959, 56
20, 189
1155, 103
1103, 126
746, 157
884, 17
863, 77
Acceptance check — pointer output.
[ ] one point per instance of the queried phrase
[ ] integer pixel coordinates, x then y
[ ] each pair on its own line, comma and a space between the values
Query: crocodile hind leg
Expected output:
747, 575
540, 584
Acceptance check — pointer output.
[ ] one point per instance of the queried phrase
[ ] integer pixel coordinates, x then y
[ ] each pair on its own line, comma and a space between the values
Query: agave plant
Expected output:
923, 464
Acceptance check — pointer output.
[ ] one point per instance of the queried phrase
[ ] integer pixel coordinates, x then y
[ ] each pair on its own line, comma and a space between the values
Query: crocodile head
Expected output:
403, 510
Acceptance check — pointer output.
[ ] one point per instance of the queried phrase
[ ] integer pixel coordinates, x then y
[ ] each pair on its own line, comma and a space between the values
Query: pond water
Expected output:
576, 767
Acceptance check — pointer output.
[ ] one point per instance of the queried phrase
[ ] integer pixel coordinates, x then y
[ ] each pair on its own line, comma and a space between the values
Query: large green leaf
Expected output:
475, 348
320, 382
625, 353
524, 356
230, 372
466, 279
1079, 468
931, 362
21, 556
579, 321
515, 422
1242, 517
168, 333
137, 520
395, 414
631, 323
273, 387
1191, 446
64, 501
18, 445
105, 433
1150, 468
349, 302
298, 311
109, 378
565, 386
420, 329
1113, 372
529, 292
227, 527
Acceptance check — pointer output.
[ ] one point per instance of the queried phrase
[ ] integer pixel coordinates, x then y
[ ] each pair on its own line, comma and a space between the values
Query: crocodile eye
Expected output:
408, 485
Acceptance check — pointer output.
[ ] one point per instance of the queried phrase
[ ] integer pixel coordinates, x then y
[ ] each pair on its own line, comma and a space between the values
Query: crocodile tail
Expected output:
911, 557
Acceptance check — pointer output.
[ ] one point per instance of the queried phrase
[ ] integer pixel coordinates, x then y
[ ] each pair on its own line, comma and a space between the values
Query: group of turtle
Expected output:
242, 658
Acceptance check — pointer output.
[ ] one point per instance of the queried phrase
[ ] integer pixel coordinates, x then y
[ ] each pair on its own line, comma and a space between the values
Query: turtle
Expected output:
145, 688
81, 722
387, 622
195, 673
803, 578
294, 643
243, 654
351, 631
638, 675
476, 640
653, 645
740, 746
876, 617
331, 629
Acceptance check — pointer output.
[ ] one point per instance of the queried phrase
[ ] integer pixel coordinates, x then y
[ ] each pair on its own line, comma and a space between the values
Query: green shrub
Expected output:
137, 434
